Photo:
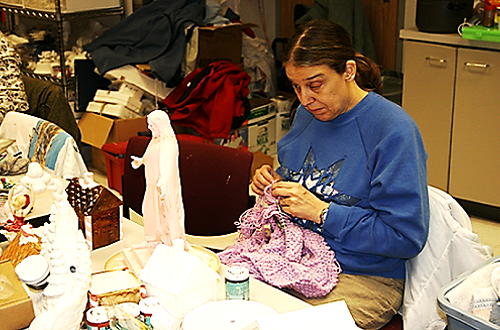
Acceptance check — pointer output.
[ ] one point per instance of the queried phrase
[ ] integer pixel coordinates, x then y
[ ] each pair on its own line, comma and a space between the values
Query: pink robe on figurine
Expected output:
162, 208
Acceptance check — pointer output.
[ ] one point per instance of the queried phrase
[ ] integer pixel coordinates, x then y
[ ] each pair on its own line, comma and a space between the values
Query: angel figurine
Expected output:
162, 208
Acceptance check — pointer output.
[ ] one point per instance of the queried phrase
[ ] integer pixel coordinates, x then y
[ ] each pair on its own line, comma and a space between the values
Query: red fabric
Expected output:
212, 104
190, 137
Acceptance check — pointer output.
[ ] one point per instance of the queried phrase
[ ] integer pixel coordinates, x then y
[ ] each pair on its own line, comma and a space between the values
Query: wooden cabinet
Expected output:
475, 151
451, 91
428, 89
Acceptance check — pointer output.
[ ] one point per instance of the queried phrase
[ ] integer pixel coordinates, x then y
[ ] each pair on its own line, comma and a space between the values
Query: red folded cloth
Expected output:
209, 98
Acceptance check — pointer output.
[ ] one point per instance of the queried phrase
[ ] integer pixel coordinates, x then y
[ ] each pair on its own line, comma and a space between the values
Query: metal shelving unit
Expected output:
58, 17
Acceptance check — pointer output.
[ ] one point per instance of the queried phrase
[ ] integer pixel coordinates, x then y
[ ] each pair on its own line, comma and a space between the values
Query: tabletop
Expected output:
133, 233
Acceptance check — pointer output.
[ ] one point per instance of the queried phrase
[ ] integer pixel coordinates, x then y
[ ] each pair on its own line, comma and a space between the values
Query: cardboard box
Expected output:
260, 108
98, 130
258, 132
283, 122
219, 43
16, 312
262, 135
260, 159
283, 104
98, 160
258, 135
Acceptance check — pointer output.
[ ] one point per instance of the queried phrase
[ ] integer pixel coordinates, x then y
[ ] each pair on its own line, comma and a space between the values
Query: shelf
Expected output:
58, 17
46, 77
52, 15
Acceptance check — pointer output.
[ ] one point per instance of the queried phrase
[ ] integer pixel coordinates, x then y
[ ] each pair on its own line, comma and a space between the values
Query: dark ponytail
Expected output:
367, 74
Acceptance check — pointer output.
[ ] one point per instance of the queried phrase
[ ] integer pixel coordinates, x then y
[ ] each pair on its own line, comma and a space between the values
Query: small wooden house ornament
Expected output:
98, 211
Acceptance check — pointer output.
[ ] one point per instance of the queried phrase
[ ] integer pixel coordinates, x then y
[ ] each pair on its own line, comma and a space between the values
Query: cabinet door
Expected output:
475, 154
428, 87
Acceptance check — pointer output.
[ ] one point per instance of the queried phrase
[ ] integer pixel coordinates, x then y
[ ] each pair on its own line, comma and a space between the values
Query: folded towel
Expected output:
462, 295
484, 299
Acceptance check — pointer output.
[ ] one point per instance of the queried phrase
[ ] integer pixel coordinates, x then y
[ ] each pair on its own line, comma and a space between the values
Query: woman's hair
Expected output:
319, 42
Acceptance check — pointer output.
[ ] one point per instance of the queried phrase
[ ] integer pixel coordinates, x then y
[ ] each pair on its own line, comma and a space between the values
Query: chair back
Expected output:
214, 180
43, 142
451, 249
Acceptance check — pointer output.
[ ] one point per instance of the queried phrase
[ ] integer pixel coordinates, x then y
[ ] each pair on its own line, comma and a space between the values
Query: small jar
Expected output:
97, 318
237, 283
148, 306
34, 271
489, 14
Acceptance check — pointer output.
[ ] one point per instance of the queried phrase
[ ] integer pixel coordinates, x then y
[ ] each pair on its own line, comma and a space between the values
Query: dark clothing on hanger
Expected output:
153, 34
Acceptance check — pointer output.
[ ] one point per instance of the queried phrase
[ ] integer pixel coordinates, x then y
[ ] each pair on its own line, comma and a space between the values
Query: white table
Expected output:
133, 233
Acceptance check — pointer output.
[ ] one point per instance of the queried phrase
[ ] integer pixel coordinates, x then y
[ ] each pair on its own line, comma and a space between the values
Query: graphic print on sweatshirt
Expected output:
320, 182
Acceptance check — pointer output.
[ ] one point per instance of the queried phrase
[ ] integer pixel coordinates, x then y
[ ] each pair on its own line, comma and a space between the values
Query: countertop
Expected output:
453, 39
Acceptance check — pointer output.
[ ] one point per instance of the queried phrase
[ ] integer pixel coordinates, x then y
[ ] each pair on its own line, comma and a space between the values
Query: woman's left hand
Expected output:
298, 201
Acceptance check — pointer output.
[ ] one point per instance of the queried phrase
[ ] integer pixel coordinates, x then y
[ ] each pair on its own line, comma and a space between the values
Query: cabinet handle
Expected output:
435, 59
476, 65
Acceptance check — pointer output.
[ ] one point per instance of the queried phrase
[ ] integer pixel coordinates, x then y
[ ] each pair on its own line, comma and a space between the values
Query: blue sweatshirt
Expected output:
370, 165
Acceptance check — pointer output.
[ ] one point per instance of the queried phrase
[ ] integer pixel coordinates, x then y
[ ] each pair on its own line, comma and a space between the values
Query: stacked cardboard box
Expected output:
258, 133
98, 130
16, 311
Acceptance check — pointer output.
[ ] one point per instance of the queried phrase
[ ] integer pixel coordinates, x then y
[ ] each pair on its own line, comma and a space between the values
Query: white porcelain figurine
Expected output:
162, 208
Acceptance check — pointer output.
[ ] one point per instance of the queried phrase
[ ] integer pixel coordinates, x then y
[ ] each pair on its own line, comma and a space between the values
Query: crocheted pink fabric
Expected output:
281, 253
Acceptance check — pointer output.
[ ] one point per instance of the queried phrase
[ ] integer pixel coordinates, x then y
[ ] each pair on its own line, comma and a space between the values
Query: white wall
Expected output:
410, 14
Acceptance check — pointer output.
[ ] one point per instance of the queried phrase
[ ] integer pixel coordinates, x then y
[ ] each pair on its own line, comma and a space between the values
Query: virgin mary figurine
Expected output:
162, 208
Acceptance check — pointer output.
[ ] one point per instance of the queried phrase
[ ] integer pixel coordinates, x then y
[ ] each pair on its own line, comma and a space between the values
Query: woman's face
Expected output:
324, 92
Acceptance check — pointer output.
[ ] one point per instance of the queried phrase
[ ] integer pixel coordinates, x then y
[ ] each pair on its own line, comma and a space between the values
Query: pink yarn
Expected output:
282, 253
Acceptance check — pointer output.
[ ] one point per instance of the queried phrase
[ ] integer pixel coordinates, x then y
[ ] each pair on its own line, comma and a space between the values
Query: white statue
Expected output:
162, 208
61, 304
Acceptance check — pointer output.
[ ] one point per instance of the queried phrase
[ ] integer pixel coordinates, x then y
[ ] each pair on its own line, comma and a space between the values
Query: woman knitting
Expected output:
353, 169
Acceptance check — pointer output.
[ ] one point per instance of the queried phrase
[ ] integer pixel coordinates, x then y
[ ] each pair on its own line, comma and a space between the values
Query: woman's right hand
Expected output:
262, 178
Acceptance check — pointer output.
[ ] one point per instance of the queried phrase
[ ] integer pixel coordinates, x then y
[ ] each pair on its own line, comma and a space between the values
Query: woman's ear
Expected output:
350, 70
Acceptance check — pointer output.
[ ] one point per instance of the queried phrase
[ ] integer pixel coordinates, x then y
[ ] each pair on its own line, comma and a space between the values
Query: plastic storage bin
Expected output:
479, 32
460, 319
115, 162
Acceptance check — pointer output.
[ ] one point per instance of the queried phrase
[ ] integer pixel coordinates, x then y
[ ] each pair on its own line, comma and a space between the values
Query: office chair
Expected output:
214, 180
